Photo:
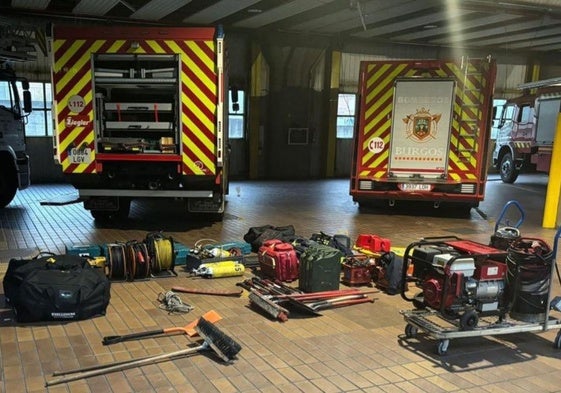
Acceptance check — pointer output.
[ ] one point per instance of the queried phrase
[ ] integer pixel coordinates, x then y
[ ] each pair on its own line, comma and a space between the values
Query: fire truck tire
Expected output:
124, 208
469, 320
507, 169
557, 341
101, 215
8, 182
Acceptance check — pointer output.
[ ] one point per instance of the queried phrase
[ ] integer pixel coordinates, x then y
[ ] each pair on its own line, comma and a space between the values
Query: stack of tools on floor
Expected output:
317, 262
277, 299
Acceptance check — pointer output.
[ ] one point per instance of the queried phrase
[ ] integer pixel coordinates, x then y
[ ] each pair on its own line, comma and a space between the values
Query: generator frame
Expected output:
430, 321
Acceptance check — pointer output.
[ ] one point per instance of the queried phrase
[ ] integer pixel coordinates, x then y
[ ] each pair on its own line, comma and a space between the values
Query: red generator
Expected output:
278, 260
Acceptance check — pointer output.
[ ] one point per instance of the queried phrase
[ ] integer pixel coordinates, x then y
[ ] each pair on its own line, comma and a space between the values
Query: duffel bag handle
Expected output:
66, 262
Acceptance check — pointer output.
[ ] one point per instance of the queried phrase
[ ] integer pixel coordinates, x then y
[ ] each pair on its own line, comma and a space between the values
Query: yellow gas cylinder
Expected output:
220, 269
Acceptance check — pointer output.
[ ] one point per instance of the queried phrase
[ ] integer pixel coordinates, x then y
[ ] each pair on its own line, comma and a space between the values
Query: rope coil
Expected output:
172, 303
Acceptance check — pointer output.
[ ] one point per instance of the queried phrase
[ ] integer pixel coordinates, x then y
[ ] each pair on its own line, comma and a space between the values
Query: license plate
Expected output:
80, 156
412, 187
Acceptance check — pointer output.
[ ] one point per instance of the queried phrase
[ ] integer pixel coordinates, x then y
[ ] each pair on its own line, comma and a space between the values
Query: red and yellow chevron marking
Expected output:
199, 88
522, 145
72, 76
377, 90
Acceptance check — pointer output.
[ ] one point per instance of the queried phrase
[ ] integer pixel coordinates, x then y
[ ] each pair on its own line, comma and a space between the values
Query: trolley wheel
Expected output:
557, 341
411, 331
442, 347
469, 320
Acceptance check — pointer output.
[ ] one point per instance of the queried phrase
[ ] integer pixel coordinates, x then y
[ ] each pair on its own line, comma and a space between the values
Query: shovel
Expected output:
189, 329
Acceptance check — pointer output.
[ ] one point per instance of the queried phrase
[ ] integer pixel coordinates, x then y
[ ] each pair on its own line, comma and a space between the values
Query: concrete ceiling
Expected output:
532, 26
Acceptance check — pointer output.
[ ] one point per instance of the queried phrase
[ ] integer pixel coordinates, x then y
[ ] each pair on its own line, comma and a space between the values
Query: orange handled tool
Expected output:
189, 329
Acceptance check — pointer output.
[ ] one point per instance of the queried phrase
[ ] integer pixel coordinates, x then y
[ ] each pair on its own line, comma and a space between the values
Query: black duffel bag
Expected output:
55, 288
256, 236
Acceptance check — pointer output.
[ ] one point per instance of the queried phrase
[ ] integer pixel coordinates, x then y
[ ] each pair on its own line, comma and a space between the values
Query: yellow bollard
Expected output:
554, 185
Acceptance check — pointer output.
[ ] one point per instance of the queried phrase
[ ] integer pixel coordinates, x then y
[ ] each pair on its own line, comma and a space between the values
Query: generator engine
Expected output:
458, 285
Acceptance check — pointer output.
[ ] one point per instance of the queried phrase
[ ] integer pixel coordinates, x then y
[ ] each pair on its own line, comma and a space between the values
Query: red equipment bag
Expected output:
278, 260
373, 243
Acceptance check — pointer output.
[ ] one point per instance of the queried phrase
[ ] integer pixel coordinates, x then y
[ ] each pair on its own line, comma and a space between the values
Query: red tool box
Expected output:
357, 270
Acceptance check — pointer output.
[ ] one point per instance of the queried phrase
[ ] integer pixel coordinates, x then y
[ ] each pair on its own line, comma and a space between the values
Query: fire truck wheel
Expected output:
121, 214
469, 320
507, 169
8, 183
101, 215
124, 208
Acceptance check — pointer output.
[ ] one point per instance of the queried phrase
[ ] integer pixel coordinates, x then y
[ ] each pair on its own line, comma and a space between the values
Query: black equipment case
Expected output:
55, 287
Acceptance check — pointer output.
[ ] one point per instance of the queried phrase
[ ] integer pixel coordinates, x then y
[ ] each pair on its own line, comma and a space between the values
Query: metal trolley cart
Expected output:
469, 289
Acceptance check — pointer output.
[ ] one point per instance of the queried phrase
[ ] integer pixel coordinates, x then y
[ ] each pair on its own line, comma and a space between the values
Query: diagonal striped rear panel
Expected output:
72, 77
466, 145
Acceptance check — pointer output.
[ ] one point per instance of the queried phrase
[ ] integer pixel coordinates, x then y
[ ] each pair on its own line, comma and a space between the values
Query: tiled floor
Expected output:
359, 348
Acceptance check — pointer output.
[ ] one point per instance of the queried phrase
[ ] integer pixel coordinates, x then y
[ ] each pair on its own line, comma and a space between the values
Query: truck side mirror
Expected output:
27, 106
25, 84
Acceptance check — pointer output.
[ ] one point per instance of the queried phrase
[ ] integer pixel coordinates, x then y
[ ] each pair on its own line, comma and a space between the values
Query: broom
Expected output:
189, 329
225, 347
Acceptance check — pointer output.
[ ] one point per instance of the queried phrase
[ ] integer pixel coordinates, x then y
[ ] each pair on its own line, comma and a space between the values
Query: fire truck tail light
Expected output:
468, 188
365, 185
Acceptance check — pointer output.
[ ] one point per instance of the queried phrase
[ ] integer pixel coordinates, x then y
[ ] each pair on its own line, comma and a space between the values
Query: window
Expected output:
508, 113
498, 108
525, 112
236, 115
39, 122
346, 106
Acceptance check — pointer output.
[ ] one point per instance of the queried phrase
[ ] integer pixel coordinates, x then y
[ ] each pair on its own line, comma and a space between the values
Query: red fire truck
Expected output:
423, 131
141, 113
